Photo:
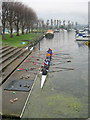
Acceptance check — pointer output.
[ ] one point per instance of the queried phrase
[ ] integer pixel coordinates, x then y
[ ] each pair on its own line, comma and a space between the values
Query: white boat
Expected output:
82, 39
43, 80
31, 49
82, 36
56, 30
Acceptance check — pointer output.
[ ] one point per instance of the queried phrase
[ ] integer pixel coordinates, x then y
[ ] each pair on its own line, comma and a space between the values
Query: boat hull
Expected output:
43, 80
82, 39
49, 35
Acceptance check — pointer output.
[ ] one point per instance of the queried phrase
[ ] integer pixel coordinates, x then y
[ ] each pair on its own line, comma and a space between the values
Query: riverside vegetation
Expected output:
17, 41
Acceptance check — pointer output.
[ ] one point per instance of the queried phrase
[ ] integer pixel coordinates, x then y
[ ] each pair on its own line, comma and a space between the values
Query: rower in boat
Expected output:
49, 53
46, 62
48, 59
45, 68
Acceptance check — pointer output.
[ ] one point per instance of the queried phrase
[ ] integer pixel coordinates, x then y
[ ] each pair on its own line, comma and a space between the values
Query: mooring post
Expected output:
39, 44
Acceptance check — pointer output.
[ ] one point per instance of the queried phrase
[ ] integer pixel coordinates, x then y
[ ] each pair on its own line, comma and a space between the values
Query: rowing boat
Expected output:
44, 74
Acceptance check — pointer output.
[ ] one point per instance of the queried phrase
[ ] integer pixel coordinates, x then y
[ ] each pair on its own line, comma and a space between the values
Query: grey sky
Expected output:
74, 10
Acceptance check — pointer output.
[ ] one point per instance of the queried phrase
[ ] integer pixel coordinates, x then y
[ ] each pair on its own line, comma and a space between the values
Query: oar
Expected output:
51, 71
54, 71
61, 53
36, 57
65, 68
59, 57
59, 60
27, 69
34, 63
52, 64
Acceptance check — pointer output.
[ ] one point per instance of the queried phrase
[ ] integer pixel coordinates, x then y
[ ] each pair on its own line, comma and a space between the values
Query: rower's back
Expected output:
44, 70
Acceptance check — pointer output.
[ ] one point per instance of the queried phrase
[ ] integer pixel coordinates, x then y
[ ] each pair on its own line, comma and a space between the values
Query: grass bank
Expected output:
17, 41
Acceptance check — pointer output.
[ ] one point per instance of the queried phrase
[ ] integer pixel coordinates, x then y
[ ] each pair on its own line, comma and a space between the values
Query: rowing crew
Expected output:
47, 62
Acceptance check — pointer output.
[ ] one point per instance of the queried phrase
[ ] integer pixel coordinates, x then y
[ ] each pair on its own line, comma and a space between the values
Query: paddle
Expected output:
34, 63
61, 53
51, 64
28, 69
54, 71
60, 57
65, 68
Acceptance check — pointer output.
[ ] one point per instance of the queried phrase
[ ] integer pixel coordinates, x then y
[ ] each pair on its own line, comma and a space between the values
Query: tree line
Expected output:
19, 16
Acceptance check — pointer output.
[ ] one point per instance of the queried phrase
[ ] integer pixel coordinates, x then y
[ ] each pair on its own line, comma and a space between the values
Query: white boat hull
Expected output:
43, 80
83, 39
31, 49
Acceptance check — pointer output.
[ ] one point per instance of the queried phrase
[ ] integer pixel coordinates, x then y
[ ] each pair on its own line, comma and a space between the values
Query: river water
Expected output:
65, 92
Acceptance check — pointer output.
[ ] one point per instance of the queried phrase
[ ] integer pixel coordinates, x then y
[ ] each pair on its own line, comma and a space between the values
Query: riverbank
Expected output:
22, 40
14, 101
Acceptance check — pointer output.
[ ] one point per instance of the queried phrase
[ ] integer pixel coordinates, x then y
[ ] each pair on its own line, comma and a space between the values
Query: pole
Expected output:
39, 44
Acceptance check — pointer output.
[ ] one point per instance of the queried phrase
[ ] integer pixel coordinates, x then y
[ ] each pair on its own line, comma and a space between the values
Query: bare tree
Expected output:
4, 16
64, 24
47, 23
11, 17
33, 19
72, 24
30, 19
54, 24
22, 20
51, 23
76, 25
37, 26
57, 23
17, 12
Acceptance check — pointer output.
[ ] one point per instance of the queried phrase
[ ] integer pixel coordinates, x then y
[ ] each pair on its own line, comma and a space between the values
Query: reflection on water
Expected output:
65, 93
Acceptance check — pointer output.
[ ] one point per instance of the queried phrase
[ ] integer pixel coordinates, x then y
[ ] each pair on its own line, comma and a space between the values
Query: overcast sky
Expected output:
74, 10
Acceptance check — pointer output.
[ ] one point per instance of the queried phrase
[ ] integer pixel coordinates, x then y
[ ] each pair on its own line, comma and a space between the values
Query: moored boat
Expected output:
56, 30
82, 35
49, 34
82, 39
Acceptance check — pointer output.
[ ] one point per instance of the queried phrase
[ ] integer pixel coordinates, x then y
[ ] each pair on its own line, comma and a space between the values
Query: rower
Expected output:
48, 59
49, 51
46, 63
48, 54
44, 70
